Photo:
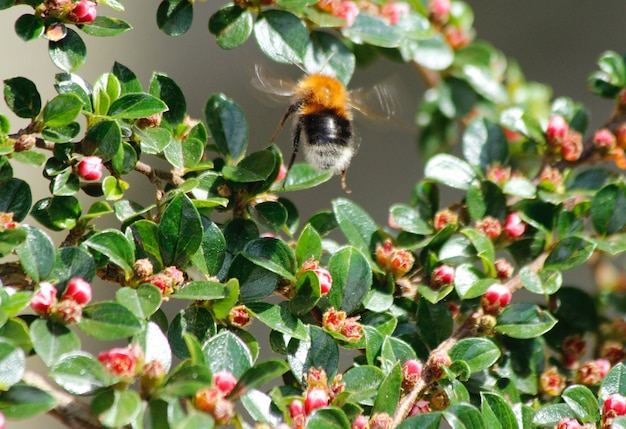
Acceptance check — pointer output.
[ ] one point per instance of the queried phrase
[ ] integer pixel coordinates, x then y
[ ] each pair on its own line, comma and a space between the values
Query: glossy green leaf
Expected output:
127, 78
70, 83
192, 320
279, 319
116, 408
352, 278
309, 245
450, 170
37, 254
479, 353
434, 323
422, 421
524, 321
72, 262
614, 382
69, 53
106, 26
80, 374
261, 408
323, 418
113, 188
200, 290
302, 176
606, 206
583, 402
307, 293
258, 375
497, 411
228, 126
186, 380
164, 88
255, 282
231, 26
407, 219
22, 401
484, 144
107, 320
326, 53
51, 340
12, 364
115, 246
389, 392
103, 139
253, 168
273, 255
22, 97
433, 53
550, 415
142, 302
461, 416
363, 383
544, 282
569, 253
373, 30
180, 231
135, 106
61, 134
281, 36
319, 351
226, 351
29, 27
155, 345
357, 226
174, 17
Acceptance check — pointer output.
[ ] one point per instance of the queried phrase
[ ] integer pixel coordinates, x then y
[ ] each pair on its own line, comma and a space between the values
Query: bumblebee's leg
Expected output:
292, 109
344, 185
295, 145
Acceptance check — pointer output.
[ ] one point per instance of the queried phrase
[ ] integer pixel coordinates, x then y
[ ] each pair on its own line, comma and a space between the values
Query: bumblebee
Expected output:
322, 111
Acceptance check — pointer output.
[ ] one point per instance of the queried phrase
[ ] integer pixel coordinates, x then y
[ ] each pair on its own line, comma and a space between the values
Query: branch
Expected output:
72, 413
432, 367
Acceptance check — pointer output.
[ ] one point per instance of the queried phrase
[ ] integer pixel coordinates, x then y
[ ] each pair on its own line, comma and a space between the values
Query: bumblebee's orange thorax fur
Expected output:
322, 92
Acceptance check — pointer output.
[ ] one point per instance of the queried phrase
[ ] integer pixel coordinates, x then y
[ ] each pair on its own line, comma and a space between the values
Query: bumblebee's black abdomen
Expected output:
326, 127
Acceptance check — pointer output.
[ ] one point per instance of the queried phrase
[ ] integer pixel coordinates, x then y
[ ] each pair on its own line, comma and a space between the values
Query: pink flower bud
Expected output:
24, 142
44, 299
78, 290
282, 173
504, 269
614, 405
393, 11
444, 218
420, 407
439, 10
90, 168
572, 146
495, 299
604, 140
239, 316
567, 423
161, 281
360, 422
441, 276
347, 10
296, 408
552, 382
176, 276
412, 367
401, 262
83, 12
514, 226
121, 362
314, 399
383, 253
225, 381
557, 130
212, 401
489, 226
143, 268
326, 280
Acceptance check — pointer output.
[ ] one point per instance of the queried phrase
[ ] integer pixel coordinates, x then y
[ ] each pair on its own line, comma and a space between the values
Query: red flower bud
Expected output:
44, 299
90, 168
296, 408
225, 381
411, 371
314, 399
176, 276
567, 423
393, 11
489, 226
211, 400
333, 320
325, 279
420, 407
6, 221
514, 226
443, 275
122, 362
239, 316
78, 290
162, 281
347, 10
383, 253
401, 262
504, 269
604, 140
444, 218
614, 405
572, 146
552, 382
495, 299
557, 130
83, 12
360, 422
439, 10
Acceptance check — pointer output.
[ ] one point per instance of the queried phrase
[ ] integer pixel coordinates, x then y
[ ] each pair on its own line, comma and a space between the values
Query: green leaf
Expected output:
29, 27
422, 421
186, 380
261, 408
389, 392
16, 198
326, 53
135, 106
106, 26
12, 364
551, 415
606, 206
255, 167
22, 401
569, 253
155, 345
128, 80
583, 402
279, 319
113, 188
544, 282
614, 382
103, 139
450, 170
281, 36
164, 88
357, 226
180, 231
22, 97
258, 375
255, 282
115, 246
10, 239
363, 383
373, 30
484, 144
174, 17
192, 320
117, 408
307, 293
319, 351
80, 374
109, 321
69, 53
51, 340
302, 176
142, 302
434, 323
407, 219
464, 416
433, 53
497, 411
227, 125
231, 26
309, 245
70, 83
37, 254
479, 353
59, 135
226, 351
352, 278
272, 254
72, 262
524, 320
323, 418
201, 290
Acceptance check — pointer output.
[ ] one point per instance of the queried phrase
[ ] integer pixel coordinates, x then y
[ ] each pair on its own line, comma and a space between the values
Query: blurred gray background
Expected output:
556, 42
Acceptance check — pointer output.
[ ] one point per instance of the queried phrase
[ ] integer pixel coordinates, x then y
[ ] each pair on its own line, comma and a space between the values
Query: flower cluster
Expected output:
168, 280
348, 10
394, 260
214, 400
337, 321
323, 275
123, 362
69, 308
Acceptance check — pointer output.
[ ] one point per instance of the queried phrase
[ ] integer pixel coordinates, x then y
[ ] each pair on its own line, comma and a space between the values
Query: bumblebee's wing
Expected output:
269, 84
378, 102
